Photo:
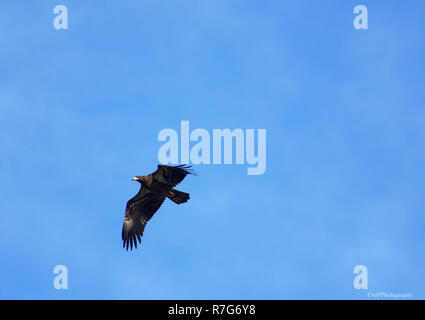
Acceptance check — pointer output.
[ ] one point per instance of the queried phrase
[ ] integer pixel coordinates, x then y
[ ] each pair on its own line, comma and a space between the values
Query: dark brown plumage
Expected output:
154, 189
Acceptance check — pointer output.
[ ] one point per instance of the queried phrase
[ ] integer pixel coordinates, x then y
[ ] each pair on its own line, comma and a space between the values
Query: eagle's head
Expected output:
142, 179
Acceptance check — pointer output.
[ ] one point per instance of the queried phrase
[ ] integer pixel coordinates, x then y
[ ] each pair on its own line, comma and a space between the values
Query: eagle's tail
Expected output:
178, 196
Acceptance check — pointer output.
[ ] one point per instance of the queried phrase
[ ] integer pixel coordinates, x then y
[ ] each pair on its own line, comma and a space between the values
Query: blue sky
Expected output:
81, 109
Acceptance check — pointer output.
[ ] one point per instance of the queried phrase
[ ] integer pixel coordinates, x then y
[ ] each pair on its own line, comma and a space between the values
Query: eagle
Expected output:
154, 188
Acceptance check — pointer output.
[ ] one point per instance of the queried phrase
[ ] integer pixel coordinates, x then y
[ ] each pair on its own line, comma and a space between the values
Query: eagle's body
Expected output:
154, 189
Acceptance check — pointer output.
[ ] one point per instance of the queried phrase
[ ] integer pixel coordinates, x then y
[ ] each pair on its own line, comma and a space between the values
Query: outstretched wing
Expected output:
137, 213
171, 175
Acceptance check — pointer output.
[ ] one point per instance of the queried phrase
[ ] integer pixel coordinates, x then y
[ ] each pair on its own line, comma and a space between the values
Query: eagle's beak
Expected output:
135, 179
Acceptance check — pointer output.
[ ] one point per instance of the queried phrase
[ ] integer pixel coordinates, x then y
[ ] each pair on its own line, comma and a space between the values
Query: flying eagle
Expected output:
155, 187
